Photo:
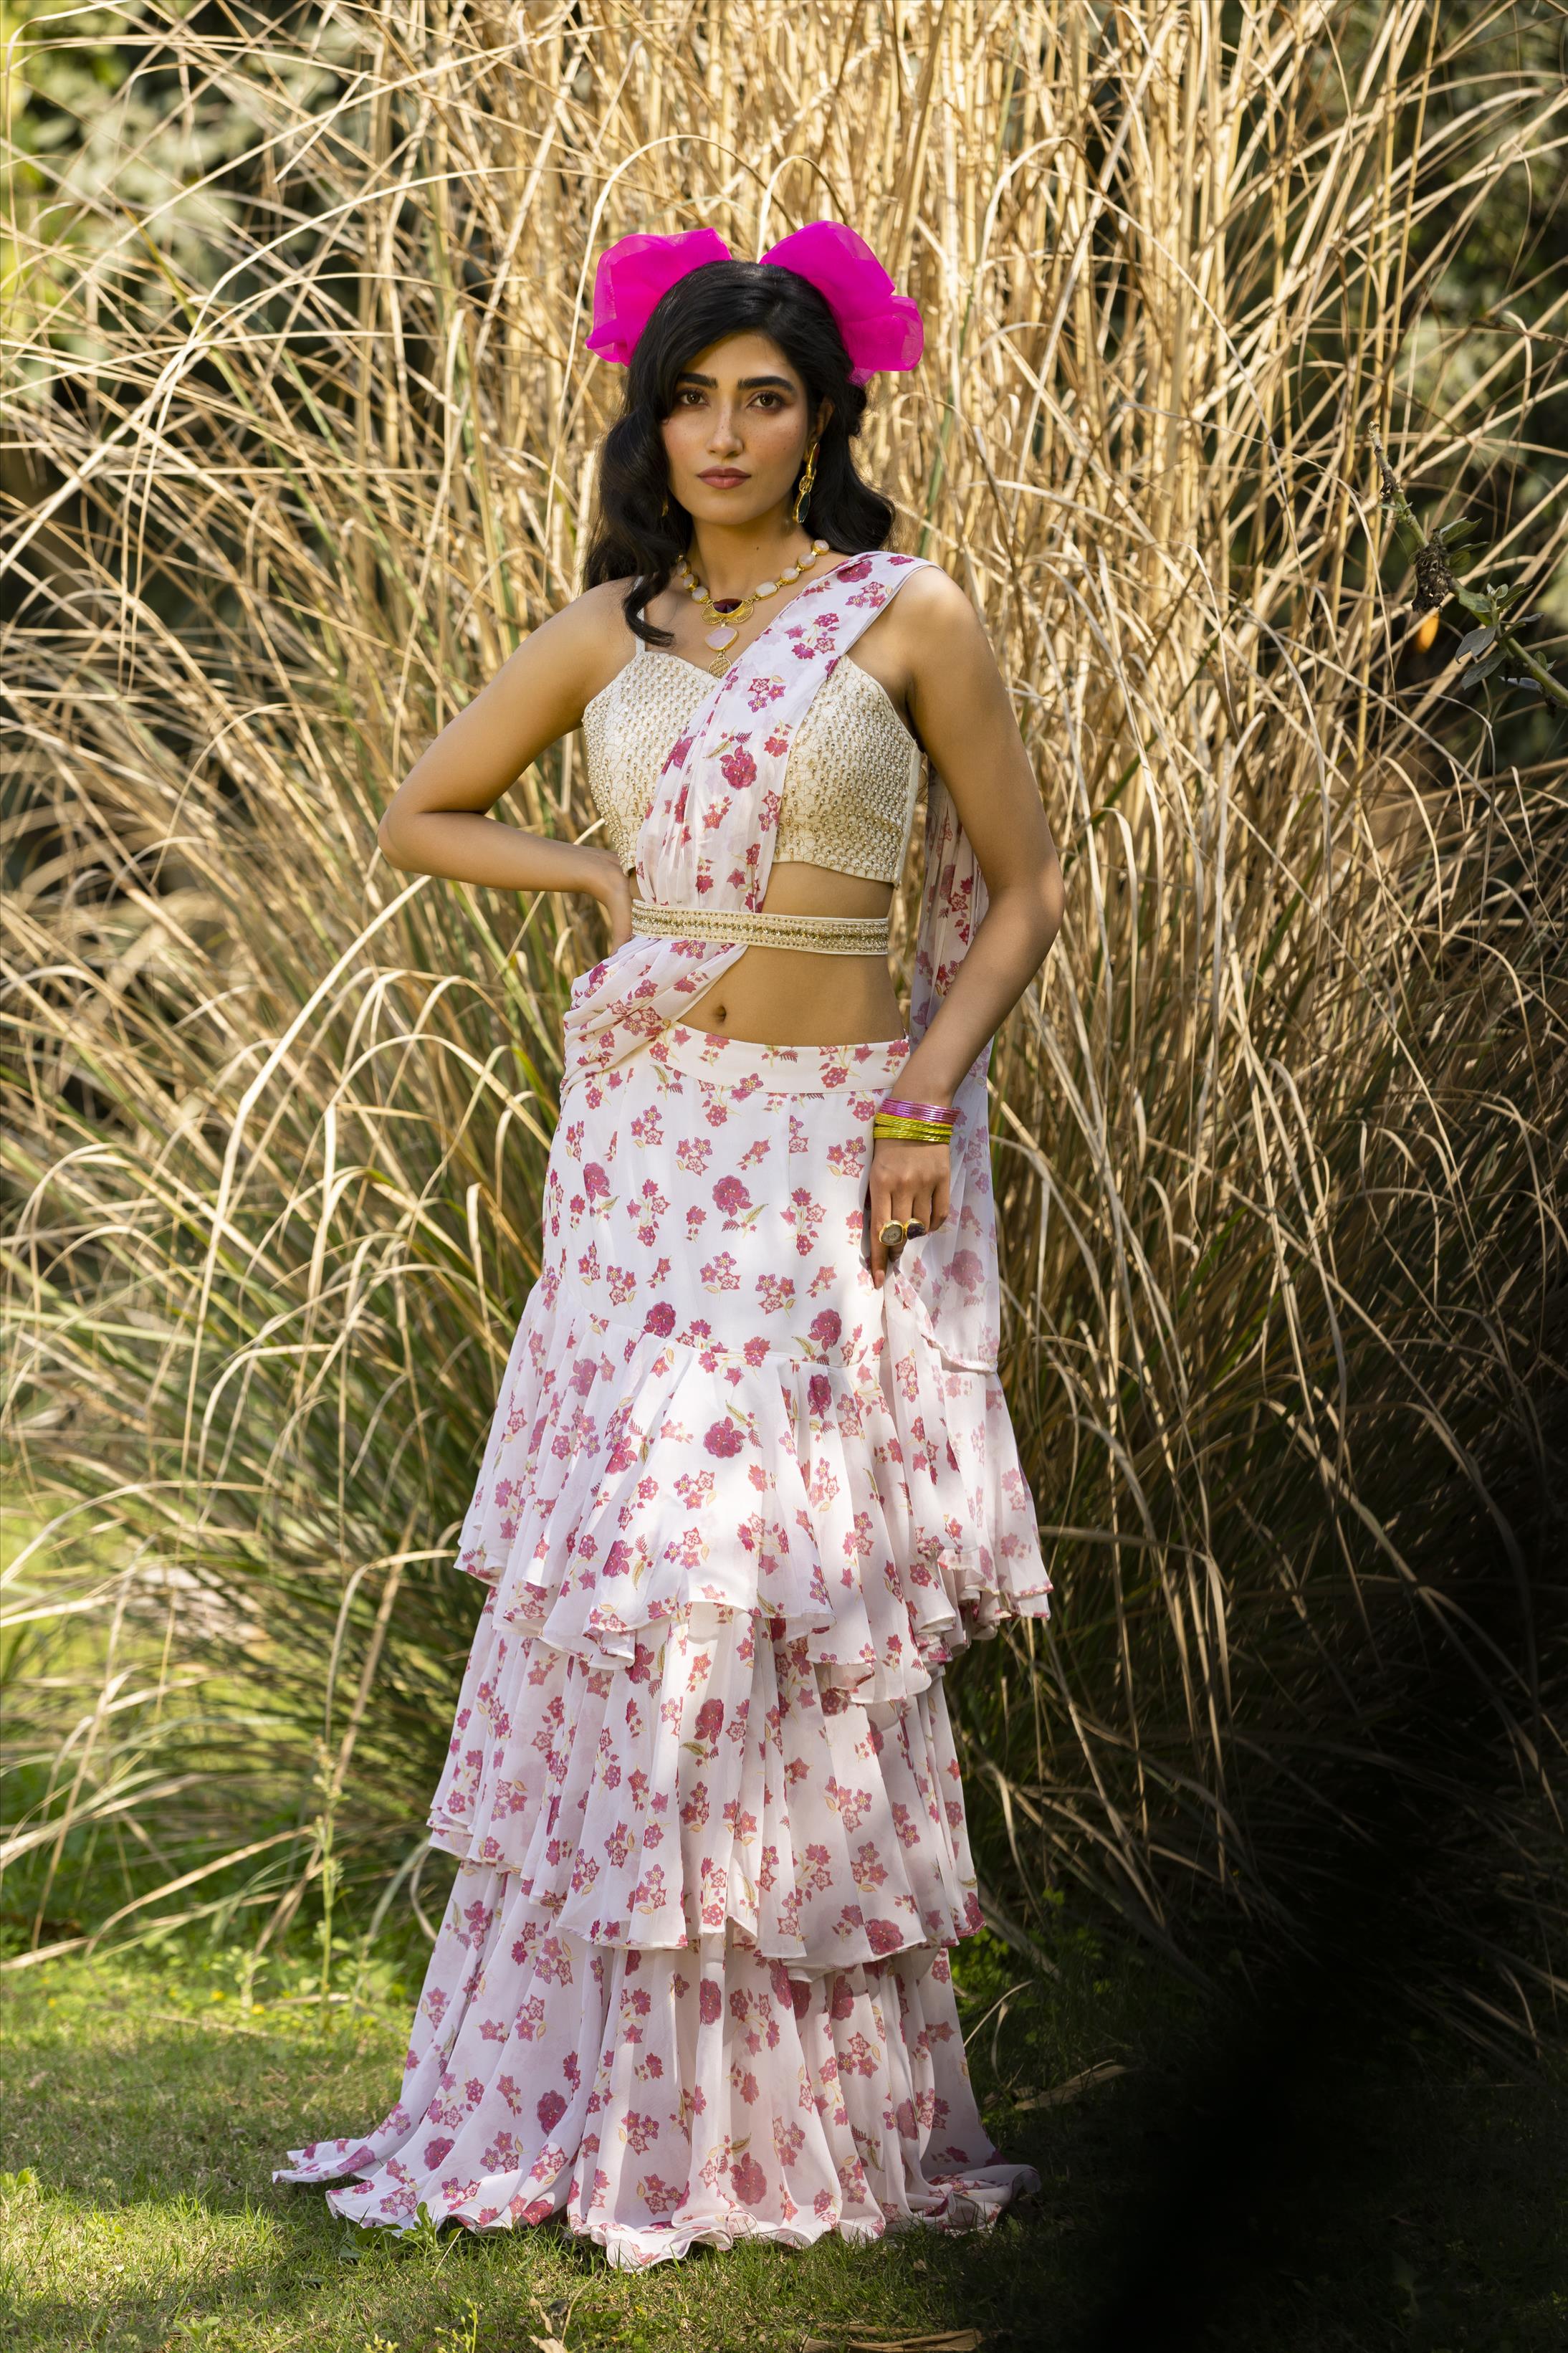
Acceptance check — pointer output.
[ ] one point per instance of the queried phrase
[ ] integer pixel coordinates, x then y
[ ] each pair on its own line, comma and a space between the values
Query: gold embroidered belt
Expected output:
822, 934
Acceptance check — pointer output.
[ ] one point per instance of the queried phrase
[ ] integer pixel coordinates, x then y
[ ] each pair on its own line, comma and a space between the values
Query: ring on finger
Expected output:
892, 1235
913, 1228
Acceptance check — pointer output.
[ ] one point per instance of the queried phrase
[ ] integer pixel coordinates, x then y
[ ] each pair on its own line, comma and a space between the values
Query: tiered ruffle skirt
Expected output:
736, 1513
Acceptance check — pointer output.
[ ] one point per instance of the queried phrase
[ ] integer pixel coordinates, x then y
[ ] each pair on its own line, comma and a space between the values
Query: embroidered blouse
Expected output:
851, 779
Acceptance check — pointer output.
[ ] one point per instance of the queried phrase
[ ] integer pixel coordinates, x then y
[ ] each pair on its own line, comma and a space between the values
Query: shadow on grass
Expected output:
1434, 2223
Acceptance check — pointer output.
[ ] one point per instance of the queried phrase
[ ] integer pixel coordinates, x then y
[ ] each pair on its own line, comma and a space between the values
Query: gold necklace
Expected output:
729, 618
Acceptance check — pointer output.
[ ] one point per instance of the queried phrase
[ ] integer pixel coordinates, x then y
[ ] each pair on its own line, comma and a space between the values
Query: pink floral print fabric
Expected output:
737, 1512
703, 1789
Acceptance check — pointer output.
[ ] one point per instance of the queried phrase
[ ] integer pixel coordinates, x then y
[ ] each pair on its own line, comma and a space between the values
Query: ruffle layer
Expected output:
658, 2099
711, 1784
702, 1788
867, 1495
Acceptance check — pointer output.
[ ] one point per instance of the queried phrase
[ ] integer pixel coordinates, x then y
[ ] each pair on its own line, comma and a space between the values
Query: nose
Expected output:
724, 437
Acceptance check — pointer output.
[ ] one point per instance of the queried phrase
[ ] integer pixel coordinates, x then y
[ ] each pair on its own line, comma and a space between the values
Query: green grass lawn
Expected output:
144, 2105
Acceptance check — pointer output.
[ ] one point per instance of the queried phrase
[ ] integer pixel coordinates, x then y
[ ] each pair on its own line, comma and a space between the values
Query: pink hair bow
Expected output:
881, 329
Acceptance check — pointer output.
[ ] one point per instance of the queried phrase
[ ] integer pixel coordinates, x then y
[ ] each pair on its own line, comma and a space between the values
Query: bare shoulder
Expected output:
939, 638
575, 651
935, 622
596, 619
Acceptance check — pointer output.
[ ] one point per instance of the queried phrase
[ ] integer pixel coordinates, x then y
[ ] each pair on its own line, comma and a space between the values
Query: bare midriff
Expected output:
788, 997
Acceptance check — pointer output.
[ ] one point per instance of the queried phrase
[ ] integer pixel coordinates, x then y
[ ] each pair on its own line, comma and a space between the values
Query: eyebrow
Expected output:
743, 384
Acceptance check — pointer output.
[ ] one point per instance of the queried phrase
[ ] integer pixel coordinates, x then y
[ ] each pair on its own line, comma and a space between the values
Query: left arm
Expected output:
959, 704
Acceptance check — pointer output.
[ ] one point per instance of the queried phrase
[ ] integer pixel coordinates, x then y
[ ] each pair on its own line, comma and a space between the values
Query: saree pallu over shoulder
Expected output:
708, 840
738, 1509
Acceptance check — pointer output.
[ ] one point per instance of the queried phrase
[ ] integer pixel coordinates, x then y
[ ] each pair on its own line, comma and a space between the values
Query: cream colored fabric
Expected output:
821, 935
850, 783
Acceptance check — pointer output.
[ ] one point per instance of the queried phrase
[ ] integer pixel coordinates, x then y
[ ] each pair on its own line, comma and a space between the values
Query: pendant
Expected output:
720, 638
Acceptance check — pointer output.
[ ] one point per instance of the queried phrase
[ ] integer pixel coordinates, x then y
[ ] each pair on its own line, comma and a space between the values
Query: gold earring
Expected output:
803, 494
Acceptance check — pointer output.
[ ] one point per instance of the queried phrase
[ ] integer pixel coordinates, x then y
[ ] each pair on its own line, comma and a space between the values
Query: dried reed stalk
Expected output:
302, 439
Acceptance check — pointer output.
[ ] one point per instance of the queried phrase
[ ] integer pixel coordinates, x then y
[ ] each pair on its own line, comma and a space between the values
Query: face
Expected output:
737, 436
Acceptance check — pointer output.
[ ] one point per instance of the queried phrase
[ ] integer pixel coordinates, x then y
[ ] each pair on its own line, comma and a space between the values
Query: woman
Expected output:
750, 1481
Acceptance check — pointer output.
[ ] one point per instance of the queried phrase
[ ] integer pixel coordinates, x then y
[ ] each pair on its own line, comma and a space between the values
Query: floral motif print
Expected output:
737, 1511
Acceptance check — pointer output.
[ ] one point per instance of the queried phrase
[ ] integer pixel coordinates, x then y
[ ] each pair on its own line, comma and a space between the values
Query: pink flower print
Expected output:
965, 1270
806, 1216
476, 1921
659, 2197
843, 2003
866, 1870
623, 1283
748, 2181
640, 2132
619, 1844
660, 1320
809, 640
762, 691
721, 1274
692, 1153
710, 2002
595, 1183
852, 1805
776, 1291
687, 1550
649, 1894
731, 1196
647, 1127
711, 1722
737, 766
817, 1877
694, 1811
723, 1438
826, 1328
435, 2150
715, 1892
883, 1936
504, 2151
819, 1396
695, 1217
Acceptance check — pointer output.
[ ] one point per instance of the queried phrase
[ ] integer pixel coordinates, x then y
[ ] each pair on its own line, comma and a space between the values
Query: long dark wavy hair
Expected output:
639, 529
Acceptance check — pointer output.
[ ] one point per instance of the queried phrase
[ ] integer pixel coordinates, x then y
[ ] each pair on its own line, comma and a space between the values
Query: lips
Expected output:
724, 478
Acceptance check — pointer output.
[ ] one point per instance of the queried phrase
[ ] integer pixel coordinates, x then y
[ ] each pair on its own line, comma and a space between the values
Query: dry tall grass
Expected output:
302, 440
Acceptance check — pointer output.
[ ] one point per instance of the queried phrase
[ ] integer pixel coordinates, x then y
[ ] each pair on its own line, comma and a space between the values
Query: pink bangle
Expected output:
915, 1110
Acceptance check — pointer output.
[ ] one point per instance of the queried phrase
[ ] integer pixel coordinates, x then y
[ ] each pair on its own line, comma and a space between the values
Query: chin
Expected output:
720, 506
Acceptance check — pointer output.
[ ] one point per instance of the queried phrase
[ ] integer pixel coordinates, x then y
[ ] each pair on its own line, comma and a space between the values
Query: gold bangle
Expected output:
912, 1132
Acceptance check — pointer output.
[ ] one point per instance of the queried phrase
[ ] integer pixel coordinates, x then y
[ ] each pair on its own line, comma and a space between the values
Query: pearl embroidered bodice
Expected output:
851, 782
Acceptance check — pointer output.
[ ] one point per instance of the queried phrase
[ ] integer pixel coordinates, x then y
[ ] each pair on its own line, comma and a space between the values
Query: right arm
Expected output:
438, 821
